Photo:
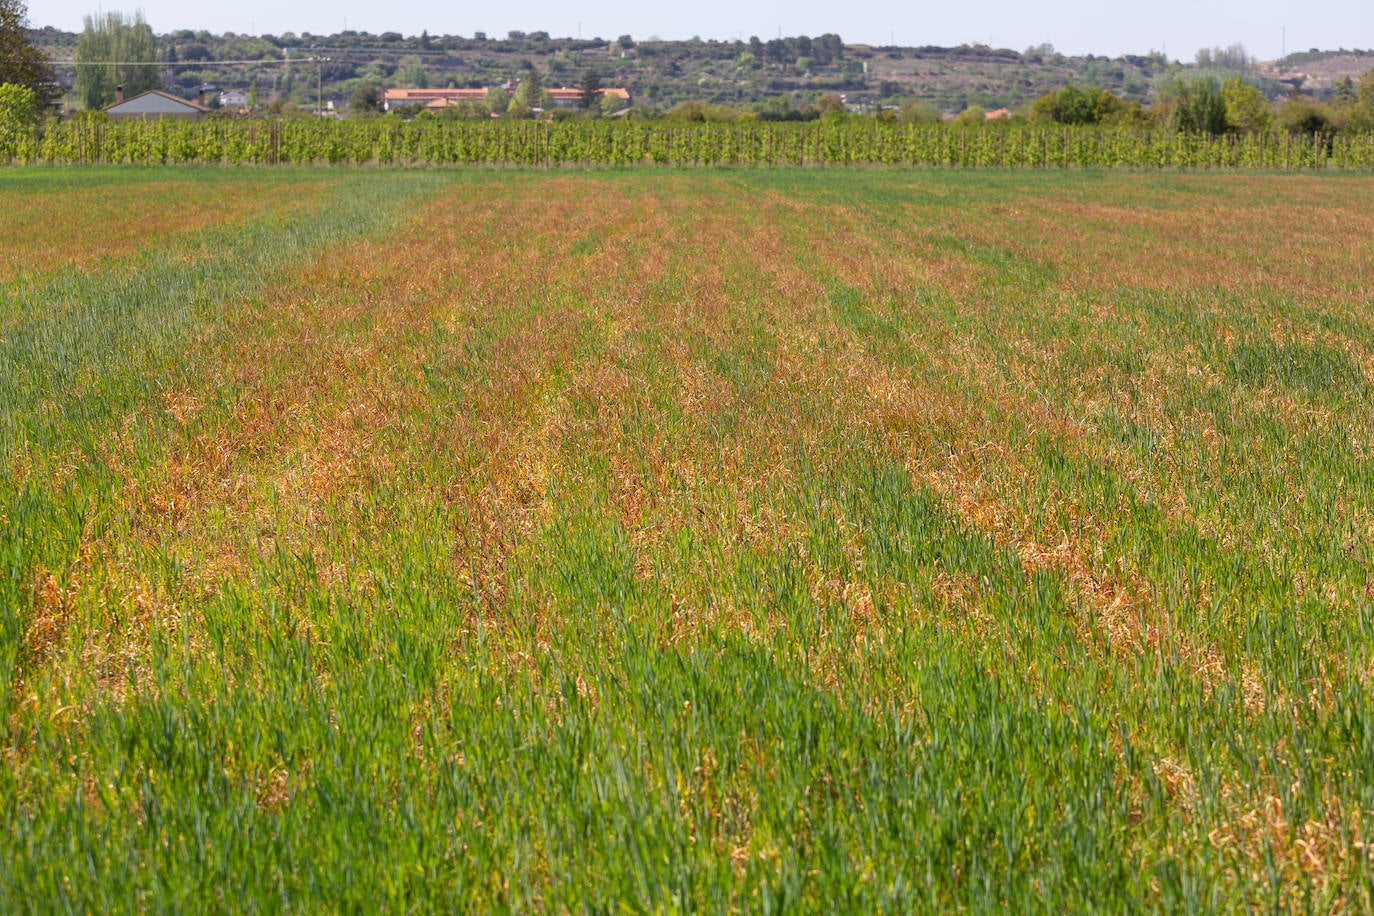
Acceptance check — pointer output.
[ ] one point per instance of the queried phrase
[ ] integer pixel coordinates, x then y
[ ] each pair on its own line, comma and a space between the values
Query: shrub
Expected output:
1198, 108
972, 115
1362, 111
920, 113
1302, 115
1247, 110
18, 106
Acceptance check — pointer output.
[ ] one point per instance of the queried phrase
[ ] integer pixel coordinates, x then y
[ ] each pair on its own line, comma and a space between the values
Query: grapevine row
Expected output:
580, 143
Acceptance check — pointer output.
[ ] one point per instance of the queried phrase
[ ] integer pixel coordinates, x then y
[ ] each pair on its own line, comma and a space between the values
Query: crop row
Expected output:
385, 142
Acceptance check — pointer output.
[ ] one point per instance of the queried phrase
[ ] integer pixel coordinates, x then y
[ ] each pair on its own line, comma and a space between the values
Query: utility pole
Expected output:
319, 85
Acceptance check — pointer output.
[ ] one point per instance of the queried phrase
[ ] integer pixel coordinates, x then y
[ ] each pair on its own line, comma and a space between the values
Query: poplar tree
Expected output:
1362, 112
591, 90
115, 50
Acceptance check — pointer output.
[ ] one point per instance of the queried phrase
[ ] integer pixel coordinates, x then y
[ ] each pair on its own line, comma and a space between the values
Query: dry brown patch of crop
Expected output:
312, 396
942, 425
518, 418
73, 228
326, 376
1252, 829
658, 484
880, 258
1114, 597
48, 620
1314, 239
1276, 851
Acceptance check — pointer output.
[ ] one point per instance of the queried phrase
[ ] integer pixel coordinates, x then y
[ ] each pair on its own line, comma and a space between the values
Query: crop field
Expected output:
685, 539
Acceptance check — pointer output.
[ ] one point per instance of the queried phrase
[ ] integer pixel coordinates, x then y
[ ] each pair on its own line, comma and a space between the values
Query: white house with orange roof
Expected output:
438, 99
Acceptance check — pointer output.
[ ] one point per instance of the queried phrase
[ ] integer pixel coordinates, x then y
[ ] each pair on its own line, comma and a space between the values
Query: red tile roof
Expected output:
429, 96
441, 98
563, 93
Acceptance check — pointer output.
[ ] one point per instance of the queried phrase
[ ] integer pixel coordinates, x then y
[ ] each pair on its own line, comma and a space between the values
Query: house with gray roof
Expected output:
152, 105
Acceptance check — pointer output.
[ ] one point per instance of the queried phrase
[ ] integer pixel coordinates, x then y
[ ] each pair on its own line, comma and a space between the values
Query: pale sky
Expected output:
1176, 27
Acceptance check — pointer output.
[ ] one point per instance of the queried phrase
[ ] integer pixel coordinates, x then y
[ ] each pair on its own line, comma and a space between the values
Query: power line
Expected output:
342, 55
173, 63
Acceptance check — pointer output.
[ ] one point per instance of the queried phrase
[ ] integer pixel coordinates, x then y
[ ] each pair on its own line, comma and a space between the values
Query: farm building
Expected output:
154, 104
434, 99
572, 98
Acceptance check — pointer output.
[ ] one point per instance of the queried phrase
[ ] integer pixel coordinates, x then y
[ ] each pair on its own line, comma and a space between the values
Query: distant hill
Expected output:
663, 73
1316, 70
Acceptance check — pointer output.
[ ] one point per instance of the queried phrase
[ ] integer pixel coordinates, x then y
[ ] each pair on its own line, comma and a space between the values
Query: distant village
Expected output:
210, 99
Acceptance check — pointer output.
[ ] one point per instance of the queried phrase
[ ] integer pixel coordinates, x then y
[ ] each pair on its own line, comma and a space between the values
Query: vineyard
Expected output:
682, 540
580, 143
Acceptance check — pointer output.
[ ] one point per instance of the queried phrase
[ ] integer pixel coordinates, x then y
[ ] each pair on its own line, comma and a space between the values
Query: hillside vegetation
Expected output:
754, 72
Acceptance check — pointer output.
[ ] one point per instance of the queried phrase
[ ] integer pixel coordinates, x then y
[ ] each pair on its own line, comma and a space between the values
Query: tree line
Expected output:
1211, 106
